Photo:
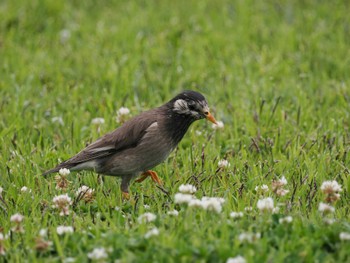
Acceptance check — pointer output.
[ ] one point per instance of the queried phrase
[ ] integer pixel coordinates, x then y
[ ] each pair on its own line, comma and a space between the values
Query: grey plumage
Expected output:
142, 142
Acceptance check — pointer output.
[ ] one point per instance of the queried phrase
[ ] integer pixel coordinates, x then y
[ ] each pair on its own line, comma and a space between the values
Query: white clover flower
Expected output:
238, 259
330, 187
216, 199
117, 208
249, 237
195, 203
344, 236
64, 230
286, 220
62, 202
153, 232
123, 111
98, 254
98, 121
325, 208
187, 189
1, 189
146, 207
223, 163
64, 171
263, 188
265, 205
25, 189
277, 186
283, 181
180, 198
43, 232
236, 215
212, 204
86, 193
173, 213
207, 203
146, 218
2, 236
282, 192
61, 182
84, 190
218, 125
17, 218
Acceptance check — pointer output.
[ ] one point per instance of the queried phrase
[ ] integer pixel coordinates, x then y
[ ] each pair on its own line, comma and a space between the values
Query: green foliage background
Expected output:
275, 72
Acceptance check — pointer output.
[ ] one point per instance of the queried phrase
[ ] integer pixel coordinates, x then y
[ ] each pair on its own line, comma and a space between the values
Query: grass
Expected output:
275, 72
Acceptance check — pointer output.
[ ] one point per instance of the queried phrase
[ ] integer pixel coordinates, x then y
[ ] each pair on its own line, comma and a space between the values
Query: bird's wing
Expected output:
127, 136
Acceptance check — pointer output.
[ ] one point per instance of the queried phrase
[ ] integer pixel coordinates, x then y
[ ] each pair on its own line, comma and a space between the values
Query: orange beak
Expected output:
210, 117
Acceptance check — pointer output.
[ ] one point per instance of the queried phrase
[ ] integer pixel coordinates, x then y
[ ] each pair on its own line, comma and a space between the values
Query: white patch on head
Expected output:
180, 106
190, 107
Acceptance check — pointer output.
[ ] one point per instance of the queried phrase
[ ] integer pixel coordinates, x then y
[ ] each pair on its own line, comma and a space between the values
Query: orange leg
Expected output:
125, 196
153, 176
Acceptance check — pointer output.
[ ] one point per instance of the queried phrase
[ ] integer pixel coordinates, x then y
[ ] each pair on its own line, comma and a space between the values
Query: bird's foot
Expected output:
151, 174
125, 195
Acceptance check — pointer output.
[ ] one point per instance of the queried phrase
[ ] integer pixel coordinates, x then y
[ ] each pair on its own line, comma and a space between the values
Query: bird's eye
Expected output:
192, 107
206, 113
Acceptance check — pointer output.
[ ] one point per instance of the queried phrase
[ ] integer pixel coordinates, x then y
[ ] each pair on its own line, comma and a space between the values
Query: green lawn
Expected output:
275, 72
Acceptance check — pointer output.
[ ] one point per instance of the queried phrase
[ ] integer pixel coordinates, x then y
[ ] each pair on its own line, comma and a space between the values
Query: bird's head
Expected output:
192, 104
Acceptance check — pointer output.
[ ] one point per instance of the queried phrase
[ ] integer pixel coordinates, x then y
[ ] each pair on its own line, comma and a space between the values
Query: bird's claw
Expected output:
125, 195
151, 174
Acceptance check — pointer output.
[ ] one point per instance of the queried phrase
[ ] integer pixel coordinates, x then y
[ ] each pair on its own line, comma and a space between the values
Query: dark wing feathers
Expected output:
125, 137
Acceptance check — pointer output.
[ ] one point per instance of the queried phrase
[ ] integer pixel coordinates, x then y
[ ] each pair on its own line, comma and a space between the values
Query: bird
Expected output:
141, 143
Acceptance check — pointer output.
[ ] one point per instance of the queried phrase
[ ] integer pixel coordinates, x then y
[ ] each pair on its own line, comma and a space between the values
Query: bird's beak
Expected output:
211, 118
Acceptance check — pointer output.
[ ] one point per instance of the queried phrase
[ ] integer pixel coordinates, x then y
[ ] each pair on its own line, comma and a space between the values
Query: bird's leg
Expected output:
125, 195
125, 187
153, 176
